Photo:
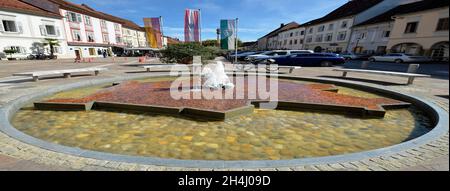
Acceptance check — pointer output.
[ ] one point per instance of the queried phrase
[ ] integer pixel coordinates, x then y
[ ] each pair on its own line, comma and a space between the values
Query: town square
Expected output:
357, 85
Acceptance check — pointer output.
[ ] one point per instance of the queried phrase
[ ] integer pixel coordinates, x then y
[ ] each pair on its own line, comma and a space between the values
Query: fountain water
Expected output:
216, 78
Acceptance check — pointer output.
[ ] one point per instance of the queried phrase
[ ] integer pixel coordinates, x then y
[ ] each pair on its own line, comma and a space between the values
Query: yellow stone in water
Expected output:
250, 133
213, 145
202, 134
80, 136
163, 142
188, 138
106, 146
278, 146
199, 144
231, 139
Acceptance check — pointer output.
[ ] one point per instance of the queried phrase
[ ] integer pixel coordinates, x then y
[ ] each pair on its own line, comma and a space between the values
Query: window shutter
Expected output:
19, 27
58, 31
43, 30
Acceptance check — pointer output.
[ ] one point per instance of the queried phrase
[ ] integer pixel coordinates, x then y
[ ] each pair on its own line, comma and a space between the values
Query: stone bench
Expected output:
411, 75
248, 67
66, 73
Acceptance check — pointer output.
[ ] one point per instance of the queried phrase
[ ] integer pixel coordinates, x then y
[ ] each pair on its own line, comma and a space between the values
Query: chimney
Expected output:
281, 25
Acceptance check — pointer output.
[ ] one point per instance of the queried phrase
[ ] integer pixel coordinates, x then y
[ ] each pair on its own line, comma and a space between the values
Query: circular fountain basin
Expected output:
262, 138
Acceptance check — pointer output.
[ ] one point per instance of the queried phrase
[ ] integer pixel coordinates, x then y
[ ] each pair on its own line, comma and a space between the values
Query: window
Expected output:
296, 33
319, 38
9, 26
105, 38
118, 39
50, 29
309, 39
329, 37
302, 32
311, 30
292, 34
363, 35
87, 20
90, 37
285, 42
103, 23
321, 28
386, 34
92, 51
76, 35
295, 41
331, 27
411, 27
116, 26
342, 36
301, 41
74, 17
442, 24
290, 42
344, 24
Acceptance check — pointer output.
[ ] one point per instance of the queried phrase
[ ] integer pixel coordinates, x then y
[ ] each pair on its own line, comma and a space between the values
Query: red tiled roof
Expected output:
282, 28
406, 8
20, 6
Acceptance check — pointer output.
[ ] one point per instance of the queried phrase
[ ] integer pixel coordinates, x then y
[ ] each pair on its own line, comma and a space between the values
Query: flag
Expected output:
228, 34
153, 31
192, 25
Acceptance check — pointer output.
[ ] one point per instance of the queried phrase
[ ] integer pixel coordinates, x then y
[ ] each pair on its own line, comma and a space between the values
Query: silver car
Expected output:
276, 53
399, 58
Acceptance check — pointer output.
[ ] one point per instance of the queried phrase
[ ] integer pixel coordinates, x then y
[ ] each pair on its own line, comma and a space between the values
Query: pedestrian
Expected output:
104, 54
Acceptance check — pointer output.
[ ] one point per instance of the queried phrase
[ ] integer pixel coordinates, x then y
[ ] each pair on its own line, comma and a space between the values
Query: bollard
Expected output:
413, 68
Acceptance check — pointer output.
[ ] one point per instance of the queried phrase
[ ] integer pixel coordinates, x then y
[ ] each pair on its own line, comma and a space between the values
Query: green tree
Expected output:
184, 52
52, 43
210, 43
10, 52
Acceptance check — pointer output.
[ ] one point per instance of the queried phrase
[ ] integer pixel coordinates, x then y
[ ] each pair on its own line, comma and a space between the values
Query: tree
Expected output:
52, 43
10, 52
210, 43
183, 53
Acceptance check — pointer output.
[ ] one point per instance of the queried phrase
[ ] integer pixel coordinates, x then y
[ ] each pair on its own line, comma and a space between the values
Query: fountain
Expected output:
216, 78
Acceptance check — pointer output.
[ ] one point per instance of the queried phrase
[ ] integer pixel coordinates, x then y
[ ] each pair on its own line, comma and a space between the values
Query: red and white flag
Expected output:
192, 25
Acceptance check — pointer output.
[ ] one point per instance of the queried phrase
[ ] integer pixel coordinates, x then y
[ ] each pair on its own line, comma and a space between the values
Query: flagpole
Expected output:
161, 29
236, 41
200, 25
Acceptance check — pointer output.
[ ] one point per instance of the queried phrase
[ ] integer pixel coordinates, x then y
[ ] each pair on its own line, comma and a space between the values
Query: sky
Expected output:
256, 17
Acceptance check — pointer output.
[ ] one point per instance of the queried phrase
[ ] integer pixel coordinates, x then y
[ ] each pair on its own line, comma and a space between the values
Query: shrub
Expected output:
184, 52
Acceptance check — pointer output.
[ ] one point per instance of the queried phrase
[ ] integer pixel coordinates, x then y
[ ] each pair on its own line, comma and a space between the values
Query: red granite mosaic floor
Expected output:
158, 94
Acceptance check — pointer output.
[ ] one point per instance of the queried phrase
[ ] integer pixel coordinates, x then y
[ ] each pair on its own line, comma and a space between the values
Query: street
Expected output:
436, 70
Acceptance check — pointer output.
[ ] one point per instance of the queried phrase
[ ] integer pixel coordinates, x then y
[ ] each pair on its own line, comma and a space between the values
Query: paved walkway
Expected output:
15, 155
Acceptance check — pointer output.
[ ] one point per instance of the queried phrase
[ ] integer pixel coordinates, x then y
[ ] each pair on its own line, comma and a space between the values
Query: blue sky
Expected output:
256, 17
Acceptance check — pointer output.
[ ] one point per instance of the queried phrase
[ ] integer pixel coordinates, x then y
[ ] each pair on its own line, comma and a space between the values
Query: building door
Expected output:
78, 54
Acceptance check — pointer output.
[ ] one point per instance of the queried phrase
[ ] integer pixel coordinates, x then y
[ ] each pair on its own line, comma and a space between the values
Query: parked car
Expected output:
241, 56
2, 55
309, 59
399, 58
355, 56
276, 53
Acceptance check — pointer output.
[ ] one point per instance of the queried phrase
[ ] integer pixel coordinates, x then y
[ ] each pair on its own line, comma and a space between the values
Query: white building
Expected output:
24, 28
332, 32
89, 32
292, 39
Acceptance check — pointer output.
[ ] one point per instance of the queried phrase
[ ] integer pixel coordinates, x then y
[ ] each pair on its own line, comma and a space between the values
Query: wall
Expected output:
426, 34
30, 34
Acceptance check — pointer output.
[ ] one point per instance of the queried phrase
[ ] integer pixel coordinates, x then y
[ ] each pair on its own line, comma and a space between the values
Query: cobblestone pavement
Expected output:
15, 155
